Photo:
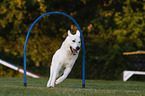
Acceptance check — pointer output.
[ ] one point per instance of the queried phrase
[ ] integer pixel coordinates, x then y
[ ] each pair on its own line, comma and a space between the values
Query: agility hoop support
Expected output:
83, 75
128, 74
17, 68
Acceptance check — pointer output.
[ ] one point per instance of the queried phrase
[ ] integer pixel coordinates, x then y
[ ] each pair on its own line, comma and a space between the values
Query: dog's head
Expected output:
74, 42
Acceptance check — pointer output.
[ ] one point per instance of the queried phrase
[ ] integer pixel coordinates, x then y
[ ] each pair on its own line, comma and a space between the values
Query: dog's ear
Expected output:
69, 33
78, 33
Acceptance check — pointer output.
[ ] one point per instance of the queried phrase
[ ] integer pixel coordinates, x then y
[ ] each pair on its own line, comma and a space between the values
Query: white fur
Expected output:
64, 59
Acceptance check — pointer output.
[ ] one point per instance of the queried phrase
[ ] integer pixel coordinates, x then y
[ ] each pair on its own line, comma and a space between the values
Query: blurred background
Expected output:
109, 27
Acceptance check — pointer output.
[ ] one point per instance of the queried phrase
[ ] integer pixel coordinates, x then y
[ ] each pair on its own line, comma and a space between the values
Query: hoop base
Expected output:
25, 84
83, 85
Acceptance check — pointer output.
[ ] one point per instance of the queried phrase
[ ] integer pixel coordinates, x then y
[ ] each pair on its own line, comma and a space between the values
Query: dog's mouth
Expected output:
74, 51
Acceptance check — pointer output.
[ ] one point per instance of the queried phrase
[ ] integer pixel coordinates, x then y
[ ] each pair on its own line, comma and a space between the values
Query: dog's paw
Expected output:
49, 86
52, 85
57, 82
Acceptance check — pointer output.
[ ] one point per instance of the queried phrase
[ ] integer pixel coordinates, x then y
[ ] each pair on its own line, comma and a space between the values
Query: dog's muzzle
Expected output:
74, 51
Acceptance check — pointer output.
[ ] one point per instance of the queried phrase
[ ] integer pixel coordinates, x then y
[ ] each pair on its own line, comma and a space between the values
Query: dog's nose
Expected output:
78, 48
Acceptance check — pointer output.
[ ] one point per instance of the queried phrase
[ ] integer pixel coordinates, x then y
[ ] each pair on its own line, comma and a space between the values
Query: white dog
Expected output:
64, 59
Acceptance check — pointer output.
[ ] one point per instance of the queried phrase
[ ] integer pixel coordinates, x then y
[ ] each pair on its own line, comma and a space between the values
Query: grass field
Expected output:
37, 87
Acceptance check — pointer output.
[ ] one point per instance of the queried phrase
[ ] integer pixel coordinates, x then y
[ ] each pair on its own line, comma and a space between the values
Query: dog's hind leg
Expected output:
65, 74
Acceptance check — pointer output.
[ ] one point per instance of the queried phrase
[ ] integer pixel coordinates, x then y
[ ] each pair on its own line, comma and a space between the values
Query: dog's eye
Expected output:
79, 41
73, 41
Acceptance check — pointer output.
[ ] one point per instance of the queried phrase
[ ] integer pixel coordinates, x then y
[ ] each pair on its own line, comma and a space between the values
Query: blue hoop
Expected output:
83, 81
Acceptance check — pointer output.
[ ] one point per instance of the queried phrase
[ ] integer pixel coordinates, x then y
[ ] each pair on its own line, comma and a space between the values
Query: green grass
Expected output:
37, 87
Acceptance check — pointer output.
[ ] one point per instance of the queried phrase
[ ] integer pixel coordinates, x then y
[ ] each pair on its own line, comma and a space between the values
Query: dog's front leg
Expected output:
65, 74
51, 74
54, 75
